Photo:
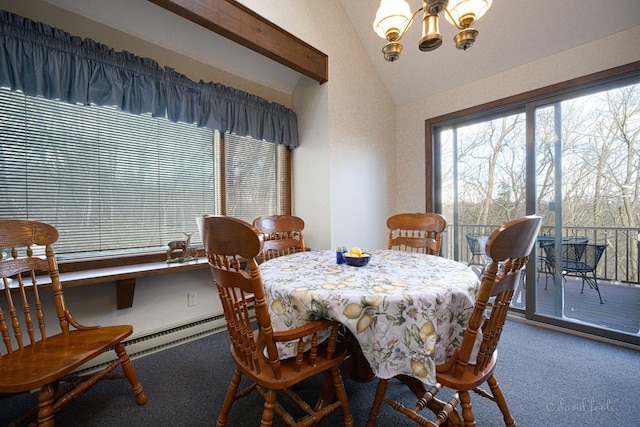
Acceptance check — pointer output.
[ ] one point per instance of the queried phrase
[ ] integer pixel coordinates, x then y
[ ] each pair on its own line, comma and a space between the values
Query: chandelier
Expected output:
394, 18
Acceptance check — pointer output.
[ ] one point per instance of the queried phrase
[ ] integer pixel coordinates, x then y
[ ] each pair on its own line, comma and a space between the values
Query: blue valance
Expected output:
43, 61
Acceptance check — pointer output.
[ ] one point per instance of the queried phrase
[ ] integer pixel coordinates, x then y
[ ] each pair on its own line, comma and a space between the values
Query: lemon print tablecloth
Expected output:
408, 311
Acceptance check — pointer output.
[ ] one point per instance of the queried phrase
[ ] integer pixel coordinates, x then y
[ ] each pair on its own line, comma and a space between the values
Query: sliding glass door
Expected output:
573, 158
587, 170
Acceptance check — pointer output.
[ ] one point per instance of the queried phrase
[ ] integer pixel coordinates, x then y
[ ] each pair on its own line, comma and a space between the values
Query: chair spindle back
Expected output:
27, 254
281, 234
416, 232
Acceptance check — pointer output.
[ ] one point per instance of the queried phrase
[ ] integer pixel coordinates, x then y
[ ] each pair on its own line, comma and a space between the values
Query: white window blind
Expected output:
253, 168
107, 180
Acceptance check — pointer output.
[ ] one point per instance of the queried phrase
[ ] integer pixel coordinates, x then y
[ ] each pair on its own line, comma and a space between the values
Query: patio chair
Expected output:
416, 232
572, 252
509, 247
35, 359
477, 243
282, 235
232, 247
585, 266
476, 248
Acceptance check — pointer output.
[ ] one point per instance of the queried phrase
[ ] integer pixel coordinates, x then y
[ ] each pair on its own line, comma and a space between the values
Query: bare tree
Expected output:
491, 164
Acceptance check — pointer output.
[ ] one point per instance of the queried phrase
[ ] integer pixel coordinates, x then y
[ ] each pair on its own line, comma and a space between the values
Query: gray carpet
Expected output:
549, 379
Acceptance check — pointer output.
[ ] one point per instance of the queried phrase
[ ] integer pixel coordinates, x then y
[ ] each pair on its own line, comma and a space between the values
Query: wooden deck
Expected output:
620, 311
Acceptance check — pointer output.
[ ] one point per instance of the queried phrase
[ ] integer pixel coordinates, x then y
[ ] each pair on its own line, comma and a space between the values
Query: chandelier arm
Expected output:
409, 24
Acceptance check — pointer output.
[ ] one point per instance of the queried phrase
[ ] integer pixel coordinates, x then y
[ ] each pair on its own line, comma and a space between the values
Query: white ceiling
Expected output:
512, 33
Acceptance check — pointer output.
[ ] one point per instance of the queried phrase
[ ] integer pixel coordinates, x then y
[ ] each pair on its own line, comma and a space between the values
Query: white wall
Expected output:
610, 52
160, 302
311, 171
344, 171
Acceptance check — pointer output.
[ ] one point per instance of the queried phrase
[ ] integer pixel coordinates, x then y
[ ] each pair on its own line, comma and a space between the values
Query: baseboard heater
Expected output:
160, 340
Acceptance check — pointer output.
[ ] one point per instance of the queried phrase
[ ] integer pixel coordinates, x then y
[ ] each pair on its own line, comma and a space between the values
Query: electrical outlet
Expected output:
192, 299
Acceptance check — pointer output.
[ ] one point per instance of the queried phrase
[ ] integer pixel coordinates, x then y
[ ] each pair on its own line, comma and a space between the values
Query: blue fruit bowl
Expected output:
357, 261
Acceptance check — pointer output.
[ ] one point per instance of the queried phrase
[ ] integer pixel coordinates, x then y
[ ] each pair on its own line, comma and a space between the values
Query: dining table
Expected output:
407, 311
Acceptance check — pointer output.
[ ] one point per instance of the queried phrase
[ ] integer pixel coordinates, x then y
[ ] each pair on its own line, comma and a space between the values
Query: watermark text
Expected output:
581, 405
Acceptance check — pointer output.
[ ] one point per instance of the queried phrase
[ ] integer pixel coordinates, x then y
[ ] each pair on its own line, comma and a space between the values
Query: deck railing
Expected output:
619, 264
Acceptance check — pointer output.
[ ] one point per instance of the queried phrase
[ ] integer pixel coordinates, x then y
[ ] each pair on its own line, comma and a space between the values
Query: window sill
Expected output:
123, 271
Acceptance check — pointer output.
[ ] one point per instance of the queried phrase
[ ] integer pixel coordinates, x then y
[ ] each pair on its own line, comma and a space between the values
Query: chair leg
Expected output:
269, 406
45, 406
338, 385
467, 411
448, 409
130, 373
547, 271
593, 283
498, 397
597, 288
229, 398
377, 401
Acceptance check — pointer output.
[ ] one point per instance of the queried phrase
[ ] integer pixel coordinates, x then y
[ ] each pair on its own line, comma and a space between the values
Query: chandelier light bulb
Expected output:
392, 19
463, 13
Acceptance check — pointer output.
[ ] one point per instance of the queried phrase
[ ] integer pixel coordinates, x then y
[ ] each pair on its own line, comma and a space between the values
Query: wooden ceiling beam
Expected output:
236, 22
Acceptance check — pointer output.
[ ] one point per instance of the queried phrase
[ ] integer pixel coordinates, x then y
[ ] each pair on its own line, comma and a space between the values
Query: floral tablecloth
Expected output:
408, 311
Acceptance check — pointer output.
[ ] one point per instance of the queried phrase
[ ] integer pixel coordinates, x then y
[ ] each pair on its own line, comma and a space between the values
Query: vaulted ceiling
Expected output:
511, 34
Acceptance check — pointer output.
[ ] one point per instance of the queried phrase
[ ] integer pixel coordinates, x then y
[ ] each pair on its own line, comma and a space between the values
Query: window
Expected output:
112, 181
255, 180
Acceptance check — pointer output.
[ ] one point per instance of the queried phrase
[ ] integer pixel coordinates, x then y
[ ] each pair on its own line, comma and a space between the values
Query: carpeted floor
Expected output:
549, 379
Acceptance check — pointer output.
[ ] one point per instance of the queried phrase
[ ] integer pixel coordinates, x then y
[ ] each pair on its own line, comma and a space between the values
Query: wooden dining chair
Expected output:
34, 358
416, 232
508, 247
282, 235
232, 246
